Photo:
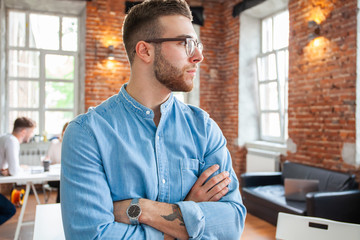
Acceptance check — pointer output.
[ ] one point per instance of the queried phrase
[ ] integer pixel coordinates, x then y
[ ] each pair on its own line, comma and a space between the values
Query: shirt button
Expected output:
163, 181
148, 112
157, 137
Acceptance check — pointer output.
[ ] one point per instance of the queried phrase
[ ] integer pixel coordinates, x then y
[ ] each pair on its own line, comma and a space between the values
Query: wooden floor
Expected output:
255, 228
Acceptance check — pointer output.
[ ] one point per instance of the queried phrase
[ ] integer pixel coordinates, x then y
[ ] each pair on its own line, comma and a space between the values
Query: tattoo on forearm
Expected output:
175, 215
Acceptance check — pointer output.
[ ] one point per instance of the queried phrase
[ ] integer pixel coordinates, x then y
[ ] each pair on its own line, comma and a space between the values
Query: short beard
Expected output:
168, 75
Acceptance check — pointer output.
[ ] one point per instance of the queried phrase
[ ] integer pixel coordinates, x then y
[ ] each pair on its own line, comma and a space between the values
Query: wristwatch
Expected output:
134, 211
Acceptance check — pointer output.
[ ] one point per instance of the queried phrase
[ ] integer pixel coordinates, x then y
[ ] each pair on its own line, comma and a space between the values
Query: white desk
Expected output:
48, 222
28, 178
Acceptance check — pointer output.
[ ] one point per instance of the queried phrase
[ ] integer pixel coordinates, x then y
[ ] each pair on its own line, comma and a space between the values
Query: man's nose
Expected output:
198, 56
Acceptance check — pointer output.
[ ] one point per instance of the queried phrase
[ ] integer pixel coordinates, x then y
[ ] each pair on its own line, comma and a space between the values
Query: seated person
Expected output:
22, 132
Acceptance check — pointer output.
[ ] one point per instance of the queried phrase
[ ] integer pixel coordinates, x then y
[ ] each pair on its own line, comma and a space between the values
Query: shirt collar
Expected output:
140, 109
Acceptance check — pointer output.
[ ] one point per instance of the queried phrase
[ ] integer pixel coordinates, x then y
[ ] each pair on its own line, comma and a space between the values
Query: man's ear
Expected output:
144, 51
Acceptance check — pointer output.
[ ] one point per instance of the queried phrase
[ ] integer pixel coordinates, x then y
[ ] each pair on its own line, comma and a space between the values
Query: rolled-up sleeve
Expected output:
86, 201
214, 220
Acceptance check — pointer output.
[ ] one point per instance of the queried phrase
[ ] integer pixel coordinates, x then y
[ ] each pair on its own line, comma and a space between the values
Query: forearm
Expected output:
164, 217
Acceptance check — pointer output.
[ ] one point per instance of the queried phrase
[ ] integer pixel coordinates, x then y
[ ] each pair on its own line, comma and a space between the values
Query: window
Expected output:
272, 76
42, 62
263, 61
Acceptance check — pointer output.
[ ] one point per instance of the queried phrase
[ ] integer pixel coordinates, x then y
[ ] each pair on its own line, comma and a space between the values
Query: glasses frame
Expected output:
186, 40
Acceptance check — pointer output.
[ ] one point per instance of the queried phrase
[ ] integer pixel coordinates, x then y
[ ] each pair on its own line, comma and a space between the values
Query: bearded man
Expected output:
143, 165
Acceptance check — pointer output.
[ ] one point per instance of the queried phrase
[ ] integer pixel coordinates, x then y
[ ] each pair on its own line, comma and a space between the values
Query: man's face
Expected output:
28, 134
172, 67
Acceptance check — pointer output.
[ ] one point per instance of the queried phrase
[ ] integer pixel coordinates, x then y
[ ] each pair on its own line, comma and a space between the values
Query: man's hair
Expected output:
142, 23
23, 122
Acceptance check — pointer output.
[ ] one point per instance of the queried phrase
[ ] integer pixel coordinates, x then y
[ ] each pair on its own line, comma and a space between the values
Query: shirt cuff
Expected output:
194, 219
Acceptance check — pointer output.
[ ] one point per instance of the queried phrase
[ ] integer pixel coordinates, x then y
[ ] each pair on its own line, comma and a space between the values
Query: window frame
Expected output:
282, 105
42, 80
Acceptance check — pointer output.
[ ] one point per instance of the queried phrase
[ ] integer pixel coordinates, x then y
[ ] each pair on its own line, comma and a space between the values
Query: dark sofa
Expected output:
338, 197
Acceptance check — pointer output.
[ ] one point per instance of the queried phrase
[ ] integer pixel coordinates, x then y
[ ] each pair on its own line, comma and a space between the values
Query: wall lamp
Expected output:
111, 55
315, 30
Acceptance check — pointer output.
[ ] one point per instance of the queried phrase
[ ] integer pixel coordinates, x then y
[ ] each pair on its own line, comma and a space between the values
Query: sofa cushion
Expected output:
328, 180
275, 194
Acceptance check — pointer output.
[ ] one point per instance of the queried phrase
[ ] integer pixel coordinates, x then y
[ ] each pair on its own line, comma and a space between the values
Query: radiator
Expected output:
258, 160
31, 153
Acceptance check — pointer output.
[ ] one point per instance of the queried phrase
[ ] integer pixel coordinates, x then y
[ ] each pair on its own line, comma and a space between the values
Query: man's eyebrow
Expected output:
184, 36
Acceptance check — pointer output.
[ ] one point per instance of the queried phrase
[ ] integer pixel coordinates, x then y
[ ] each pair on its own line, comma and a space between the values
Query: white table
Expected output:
28, 178
48, 222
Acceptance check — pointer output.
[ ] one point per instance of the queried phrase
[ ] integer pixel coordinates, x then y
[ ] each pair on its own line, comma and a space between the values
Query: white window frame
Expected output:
282, 102
50, 7
250, 46
42, 78
282, 105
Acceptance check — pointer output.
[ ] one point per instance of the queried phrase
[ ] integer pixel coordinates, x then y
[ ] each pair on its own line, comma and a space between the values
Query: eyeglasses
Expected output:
190, 44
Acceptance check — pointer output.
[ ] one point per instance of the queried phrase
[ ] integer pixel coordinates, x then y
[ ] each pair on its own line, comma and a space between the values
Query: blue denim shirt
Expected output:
116, 152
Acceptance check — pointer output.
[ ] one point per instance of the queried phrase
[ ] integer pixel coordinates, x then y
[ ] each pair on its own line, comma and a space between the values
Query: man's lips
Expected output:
191, 71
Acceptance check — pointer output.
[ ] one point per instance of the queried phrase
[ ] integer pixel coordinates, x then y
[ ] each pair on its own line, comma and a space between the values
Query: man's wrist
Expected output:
134, 211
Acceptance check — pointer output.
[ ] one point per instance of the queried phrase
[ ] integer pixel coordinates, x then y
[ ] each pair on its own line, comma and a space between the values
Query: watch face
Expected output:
134, 211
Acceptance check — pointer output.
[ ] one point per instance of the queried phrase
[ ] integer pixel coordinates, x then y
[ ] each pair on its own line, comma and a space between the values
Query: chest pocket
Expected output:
190, 171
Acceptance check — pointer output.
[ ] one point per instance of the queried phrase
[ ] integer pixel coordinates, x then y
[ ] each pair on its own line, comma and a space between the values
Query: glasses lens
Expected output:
190, 47
200, 47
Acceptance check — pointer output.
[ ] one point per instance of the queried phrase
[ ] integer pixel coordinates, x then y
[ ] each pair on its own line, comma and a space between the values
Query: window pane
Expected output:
59, 95
44, 31
267, 67
16, 29
24, 63
54, 121
282, 58
34, 115
59, 67
24, 94
282, 63
281, 30
69, 34
270, 124
268, 96
267, 38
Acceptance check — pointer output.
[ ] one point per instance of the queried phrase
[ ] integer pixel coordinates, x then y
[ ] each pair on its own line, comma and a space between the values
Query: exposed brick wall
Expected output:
321, 80
103, 28
322, 83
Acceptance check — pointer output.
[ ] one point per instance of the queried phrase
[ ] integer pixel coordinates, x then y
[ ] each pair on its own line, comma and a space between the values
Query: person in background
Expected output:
54, 151
54, 155
143, 165
22, 132
7, 209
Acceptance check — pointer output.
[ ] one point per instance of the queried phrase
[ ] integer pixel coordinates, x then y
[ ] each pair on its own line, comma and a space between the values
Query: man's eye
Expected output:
183, 43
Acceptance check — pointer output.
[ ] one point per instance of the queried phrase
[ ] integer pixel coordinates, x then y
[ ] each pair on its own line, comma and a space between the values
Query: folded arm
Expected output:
225, 218
168, 218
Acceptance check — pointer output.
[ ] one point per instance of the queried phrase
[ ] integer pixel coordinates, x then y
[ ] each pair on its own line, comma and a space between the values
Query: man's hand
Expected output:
212, 190
5, 172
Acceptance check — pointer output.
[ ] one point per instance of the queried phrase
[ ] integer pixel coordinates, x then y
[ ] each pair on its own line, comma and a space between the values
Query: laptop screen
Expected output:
296, 189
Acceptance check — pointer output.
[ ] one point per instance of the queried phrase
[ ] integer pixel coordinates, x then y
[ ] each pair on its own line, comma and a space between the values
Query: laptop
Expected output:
296, 189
